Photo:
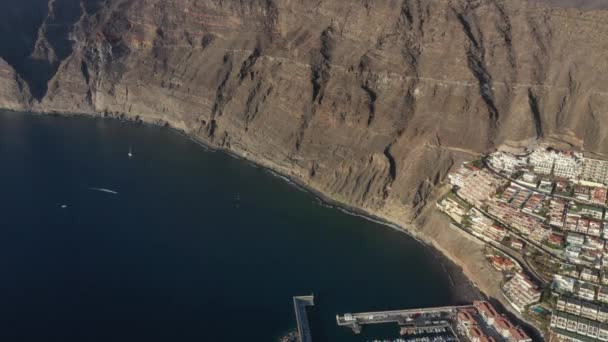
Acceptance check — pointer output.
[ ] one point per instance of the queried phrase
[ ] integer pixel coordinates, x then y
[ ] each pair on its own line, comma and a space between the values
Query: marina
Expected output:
411, 321
476, 322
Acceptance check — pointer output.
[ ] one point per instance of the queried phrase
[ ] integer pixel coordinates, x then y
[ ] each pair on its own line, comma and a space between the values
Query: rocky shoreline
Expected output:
291, 336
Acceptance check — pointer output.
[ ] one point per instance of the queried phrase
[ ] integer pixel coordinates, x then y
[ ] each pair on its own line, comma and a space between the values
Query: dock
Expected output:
402, 317
299, 304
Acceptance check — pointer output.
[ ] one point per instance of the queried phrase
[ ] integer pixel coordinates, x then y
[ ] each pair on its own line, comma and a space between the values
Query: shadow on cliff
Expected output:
35, 37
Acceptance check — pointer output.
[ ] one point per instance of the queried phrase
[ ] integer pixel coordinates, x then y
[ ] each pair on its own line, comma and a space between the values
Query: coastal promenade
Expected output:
299, 304
514, 255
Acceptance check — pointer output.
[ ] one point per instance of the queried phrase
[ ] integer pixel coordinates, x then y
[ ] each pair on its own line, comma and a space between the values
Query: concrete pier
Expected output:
402, 317
299, 304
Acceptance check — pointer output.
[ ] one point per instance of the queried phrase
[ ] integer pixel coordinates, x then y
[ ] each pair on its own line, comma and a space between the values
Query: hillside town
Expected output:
542, 217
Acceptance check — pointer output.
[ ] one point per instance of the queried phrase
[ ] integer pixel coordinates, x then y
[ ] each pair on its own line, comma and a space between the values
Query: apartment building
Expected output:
586, 291
563, 284
595, 170
590, 275
496, 233
479, 222
526, 224
542, 161
479, 187
599, 195
506, 162
557, 212
594, 212
453, 209
602, 294
458, 177
567, 165
521, 292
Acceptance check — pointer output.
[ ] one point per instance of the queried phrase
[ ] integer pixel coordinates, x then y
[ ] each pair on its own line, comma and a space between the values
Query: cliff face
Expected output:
369, 102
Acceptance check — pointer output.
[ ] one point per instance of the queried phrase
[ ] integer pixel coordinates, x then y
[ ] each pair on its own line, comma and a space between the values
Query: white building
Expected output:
594, 212
595, 170
575, 239
590, 275
602, 294
506, 162
563, 283
589, 310
567, 165
479, 222
602, 314
542, 161
452, 208
530, 178
521, 292
586, 291
459, 176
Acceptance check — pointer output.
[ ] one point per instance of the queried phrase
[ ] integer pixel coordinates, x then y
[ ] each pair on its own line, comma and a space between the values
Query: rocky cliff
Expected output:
368, 102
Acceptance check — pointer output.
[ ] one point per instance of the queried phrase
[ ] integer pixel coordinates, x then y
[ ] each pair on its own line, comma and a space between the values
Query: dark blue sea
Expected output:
195, 245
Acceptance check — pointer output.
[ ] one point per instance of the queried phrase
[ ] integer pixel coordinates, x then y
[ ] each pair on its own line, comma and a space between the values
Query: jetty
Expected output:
300, 303
409, 317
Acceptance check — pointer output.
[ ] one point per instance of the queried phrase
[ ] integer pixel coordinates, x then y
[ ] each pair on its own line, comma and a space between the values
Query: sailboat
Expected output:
130, 153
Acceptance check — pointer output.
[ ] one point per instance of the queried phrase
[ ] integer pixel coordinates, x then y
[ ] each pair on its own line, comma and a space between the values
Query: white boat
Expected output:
130, 153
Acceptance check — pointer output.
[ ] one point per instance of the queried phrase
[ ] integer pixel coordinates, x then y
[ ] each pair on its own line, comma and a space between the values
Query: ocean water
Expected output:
194, 246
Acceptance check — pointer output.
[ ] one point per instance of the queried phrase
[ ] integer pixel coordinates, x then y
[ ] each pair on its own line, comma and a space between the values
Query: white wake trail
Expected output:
105, 190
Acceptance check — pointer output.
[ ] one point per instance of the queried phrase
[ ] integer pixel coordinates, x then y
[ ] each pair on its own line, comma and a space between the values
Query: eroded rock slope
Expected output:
369, 102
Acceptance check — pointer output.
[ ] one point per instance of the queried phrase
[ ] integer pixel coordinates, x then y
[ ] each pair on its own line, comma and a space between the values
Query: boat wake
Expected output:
108, 191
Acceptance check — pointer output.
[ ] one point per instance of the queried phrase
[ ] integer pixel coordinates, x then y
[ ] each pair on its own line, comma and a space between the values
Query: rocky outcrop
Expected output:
14, 93
369, 102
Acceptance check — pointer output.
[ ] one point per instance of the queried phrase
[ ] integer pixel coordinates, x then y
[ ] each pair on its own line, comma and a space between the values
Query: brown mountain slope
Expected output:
580, 4
368, 102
